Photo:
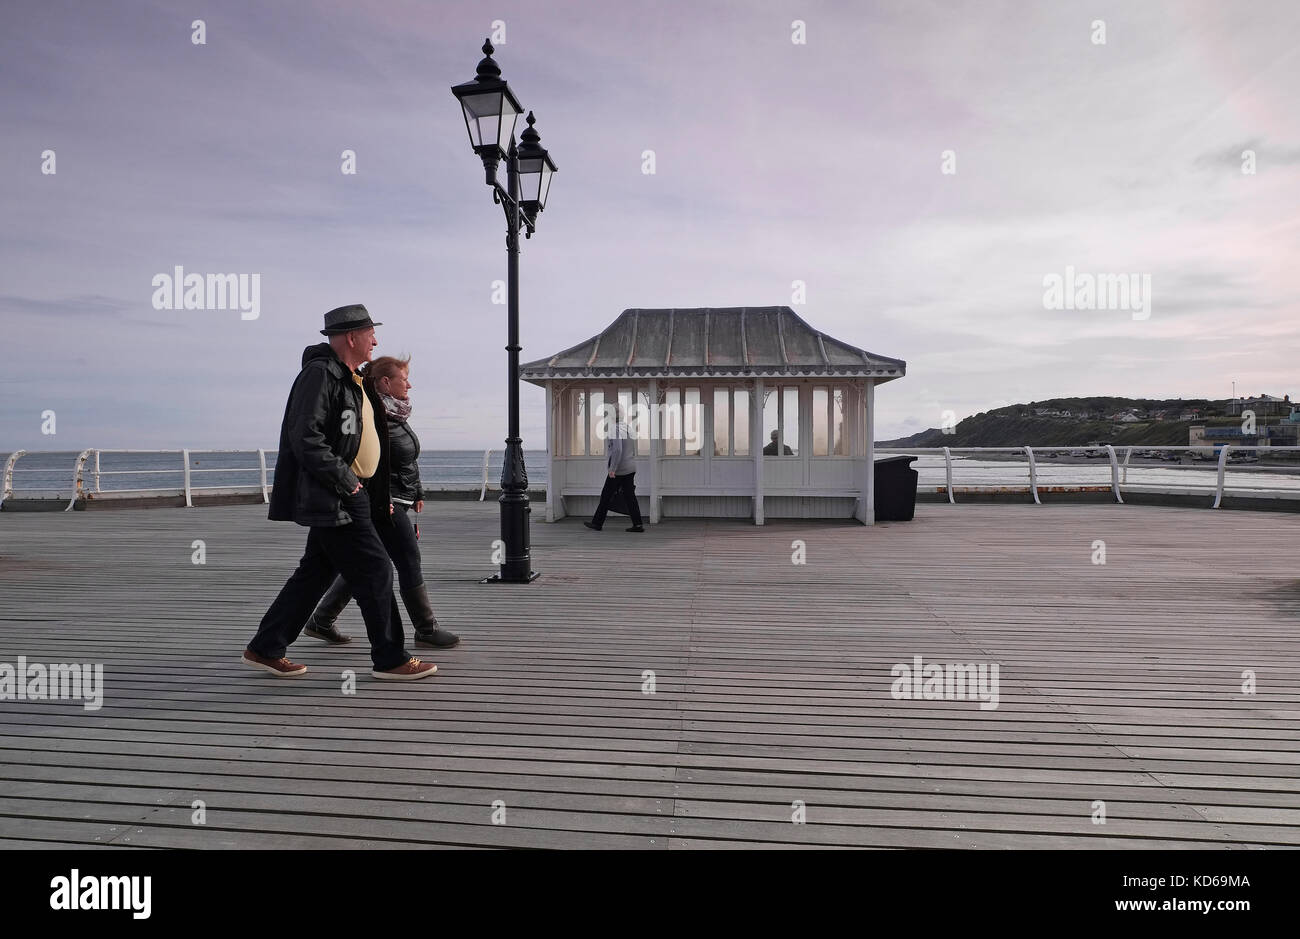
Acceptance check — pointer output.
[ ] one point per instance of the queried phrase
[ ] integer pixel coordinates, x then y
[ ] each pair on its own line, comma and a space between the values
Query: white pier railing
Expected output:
948, 471
87, 476
1042, 475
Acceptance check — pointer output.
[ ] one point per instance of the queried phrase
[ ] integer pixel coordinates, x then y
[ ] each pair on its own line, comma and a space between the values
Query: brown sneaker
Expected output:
409, 670
280, 668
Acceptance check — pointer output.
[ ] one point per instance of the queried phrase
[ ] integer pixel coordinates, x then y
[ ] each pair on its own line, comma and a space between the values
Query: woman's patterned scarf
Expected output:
397, 409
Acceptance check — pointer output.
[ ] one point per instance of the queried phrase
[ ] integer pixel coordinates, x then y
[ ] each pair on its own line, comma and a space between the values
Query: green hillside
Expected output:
1017, 425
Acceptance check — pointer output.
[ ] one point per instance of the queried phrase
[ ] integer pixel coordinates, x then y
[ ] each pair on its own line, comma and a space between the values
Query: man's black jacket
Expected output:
319, 439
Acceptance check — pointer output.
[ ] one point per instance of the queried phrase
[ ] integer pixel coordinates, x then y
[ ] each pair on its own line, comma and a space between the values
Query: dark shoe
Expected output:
591, 526
437, 639
427, 631
410, 670
280, 668
328, 633
636, 528
320, 625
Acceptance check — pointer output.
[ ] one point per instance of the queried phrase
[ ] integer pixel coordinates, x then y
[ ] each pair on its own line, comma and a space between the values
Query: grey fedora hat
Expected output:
344, 319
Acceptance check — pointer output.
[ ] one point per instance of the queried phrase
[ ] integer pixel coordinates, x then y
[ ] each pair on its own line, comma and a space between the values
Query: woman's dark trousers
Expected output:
402, 548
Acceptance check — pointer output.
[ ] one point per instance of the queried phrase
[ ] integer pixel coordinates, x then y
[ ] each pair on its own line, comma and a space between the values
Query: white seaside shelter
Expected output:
738, 412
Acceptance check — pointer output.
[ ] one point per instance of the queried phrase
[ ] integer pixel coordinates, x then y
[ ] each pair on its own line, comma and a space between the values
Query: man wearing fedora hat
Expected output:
331, 475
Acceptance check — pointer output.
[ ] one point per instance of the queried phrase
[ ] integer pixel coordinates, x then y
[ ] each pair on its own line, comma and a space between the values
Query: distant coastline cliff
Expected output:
1076, 422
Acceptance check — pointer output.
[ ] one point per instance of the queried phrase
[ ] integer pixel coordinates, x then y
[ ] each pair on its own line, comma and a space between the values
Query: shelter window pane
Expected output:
670, 422
771, 421
577, 423
721, 422
643, 424
625, 410
740, 422
692, 423
837, 424
820, 422
790, 429
595, 414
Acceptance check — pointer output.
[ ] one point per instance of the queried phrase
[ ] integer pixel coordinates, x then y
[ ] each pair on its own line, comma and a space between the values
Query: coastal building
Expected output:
1285, 433
1210, 437
1263, 405
740, 412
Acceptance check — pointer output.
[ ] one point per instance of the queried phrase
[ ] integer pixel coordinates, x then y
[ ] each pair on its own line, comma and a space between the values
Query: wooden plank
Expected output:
268, 775
410, 830
772, 684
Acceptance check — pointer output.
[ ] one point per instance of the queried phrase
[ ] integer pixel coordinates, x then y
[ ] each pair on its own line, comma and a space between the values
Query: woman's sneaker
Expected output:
409, 670
280, 668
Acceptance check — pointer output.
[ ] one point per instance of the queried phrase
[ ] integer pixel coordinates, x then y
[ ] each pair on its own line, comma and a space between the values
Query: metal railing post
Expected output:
185, 455
1124, 476
947, 464
9, 475
76, 478
483, 492
1114, 472
1033, 475
261, 459
97, 472
1223, 465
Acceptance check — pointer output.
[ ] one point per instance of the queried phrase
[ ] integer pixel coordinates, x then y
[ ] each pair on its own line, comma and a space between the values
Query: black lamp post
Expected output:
491, 111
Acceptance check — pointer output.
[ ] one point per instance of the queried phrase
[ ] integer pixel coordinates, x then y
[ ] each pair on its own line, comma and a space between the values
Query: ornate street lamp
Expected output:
535, 169
491, 111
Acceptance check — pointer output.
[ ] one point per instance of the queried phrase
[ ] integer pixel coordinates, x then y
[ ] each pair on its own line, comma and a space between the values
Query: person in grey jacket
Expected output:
620, 475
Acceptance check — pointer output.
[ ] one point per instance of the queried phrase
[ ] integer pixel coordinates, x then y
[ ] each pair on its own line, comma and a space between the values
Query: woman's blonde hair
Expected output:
386, 366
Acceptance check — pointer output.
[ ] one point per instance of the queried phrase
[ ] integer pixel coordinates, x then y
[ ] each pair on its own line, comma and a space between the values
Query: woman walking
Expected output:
390, 378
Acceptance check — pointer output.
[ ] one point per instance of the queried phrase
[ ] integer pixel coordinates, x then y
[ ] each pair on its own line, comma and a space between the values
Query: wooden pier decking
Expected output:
1119, 682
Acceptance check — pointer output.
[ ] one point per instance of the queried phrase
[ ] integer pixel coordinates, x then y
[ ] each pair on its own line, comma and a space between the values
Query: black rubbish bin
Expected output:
895, 488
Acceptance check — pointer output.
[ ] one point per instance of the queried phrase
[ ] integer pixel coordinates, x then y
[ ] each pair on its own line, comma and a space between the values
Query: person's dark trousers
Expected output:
403, 549
355, 551
628, 484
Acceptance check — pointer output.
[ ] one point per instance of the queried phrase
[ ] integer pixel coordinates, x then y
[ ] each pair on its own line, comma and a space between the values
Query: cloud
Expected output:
775, 162
1231, 157
86, 305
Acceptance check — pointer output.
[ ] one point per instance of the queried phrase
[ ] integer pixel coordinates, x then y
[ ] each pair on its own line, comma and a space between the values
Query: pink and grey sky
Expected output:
775, 162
